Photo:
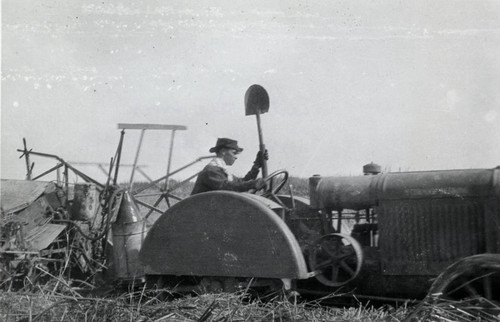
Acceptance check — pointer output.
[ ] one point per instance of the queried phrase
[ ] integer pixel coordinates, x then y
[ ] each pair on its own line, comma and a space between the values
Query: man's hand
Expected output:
261, 158
258, 184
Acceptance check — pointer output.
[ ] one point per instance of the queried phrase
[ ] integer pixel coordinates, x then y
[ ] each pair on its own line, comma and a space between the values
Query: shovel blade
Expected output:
256, 100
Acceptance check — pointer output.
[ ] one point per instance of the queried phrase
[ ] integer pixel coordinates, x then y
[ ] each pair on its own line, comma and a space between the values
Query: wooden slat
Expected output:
134, 126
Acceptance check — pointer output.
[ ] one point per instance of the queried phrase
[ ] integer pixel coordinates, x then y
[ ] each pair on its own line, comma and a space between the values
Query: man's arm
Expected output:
252, 174
216, 179
257, 164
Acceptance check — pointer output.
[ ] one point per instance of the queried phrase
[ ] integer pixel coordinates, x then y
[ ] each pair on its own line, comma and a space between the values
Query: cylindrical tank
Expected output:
362, 192
340, 193
129, 231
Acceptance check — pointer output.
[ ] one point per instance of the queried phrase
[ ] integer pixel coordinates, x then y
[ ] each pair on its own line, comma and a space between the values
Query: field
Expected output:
149, 305
145, 306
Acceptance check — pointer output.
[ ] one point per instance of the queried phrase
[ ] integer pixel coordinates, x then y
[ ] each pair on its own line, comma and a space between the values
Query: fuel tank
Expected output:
361, 192
340, 193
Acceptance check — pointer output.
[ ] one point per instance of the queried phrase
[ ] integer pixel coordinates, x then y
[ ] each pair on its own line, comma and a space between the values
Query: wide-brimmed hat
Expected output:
226, 143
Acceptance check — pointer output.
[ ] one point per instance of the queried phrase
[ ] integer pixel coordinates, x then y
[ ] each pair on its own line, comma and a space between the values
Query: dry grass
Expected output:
466, 310
145, 306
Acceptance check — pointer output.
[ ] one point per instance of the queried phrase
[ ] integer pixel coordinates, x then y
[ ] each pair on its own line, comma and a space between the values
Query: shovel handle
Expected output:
262, 146
264, 162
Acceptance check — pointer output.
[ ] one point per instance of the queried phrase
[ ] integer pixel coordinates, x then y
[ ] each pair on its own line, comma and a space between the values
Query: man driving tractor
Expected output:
215, 175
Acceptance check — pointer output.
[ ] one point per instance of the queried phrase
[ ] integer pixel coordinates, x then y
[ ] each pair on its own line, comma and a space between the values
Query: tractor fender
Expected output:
223, 233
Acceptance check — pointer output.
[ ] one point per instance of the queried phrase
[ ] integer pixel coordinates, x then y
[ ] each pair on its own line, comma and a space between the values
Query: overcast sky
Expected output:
410, 85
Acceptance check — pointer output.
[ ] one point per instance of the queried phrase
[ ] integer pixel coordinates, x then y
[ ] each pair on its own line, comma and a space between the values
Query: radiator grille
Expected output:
424, 236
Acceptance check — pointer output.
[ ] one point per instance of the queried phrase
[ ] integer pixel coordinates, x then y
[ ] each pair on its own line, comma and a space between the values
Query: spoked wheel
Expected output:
337, 258
476, 277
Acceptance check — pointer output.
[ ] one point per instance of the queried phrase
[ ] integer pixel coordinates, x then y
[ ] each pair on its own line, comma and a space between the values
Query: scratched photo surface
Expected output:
409, 85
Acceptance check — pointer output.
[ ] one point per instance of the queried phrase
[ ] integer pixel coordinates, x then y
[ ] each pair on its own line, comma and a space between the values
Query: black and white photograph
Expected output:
274, 160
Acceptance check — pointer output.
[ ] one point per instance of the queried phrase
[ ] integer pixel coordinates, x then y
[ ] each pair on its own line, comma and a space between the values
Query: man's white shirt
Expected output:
218, 162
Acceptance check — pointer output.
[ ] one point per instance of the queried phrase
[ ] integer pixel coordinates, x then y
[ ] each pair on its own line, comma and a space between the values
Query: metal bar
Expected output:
174, 196
108, 175
148, 178
292, 199
165, 186
101, 167
84, 176
149, 206
144, 174
118, 156
168, 194
152, 208
339, 222
135, 126
183, 182
159, 193
171, 174
152, 183
44, 155
105, 164
31, 167
136, 159
67, 165
66, 184
27, 158
48, 171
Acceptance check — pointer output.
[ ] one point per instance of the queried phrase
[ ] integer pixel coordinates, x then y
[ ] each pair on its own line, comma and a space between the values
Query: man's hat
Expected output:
226, 143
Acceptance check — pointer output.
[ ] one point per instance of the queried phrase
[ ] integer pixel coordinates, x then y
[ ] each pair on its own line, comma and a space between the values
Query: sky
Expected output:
409, 85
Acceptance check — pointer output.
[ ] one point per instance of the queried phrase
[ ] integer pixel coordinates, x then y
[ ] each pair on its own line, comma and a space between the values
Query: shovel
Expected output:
257, 103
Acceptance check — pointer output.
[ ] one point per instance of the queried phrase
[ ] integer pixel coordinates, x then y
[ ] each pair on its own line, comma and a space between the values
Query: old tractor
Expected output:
384, 235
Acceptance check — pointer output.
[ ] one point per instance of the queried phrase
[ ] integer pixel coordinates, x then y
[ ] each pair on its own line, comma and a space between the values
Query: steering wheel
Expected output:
270, 177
